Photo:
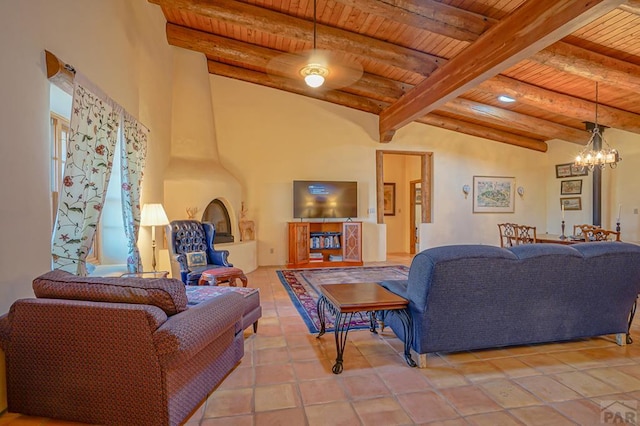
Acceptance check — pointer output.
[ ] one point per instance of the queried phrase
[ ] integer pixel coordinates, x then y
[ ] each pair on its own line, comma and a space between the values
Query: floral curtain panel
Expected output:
93, 131
133, 155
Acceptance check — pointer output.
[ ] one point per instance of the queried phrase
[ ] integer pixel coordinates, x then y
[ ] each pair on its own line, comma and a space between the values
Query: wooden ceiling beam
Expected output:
463, 25
294, 86
594, 66
631, 6
507, 119
474, 129
372, 87
283, 25
367, 105
380, 88
563, 56
560, 104
226, 50
428, 15
529, 29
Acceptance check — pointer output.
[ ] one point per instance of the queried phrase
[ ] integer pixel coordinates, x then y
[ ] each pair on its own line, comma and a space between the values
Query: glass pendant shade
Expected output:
314, 74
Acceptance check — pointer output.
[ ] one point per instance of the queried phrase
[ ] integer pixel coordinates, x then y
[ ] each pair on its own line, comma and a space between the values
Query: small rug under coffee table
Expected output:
302, 287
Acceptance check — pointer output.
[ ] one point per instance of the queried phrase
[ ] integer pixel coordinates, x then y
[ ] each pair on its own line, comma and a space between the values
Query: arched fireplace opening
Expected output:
218, 214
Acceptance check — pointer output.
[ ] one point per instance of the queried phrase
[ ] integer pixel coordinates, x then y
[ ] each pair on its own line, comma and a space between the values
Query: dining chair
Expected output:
596, 233
525, 234
577, 230
599, 234
507, 234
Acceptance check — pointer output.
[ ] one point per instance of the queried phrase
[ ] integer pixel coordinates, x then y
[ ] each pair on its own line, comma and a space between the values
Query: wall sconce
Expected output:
465, 190
520, 191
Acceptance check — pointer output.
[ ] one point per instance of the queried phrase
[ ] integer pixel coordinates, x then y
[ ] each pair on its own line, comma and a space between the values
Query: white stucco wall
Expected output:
620, 186
120, 46
270, 138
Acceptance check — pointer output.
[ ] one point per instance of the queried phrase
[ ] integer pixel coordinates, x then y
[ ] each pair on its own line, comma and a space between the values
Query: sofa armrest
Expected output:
5, 330
398, 287
179, 268
188, 332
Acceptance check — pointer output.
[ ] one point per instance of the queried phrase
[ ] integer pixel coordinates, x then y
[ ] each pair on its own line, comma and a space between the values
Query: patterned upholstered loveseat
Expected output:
124, 351
465, 297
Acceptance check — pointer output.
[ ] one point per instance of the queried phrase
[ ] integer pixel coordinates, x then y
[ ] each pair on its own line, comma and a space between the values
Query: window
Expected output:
59, 137
110, 244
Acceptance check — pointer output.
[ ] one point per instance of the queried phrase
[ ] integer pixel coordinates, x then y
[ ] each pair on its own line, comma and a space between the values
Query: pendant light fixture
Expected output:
597, 152
319, 68
314, 73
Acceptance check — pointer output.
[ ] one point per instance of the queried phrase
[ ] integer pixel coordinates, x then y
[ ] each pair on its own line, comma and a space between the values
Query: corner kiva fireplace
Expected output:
217, 214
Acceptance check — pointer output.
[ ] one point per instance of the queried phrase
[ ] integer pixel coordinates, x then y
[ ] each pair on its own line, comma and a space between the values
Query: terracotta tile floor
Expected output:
285, 378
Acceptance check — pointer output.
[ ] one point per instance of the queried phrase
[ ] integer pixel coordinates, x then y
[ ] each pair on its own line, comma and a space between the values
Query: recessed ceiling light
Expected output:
505, 98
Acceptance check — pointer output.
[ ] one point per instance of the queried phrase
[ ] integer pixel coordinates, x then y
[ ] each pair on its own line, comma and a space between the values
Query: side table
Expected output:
223, 274
343, 300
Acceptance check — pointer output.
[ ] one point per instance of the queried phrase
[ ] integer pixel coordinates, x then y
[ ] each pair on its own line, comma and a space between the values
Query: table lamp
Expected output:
153, 215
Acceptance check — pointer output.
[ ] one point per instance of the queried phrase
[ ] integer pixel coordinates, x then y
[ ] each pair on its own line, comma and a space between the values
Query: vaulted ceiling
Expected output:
439, 62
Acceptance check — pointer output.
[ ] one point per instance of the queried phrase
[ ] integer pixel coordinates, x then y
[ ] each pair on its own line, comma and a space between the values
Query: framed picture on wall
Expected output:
418, 196
389, 199
579, 171
564, 170
570, 187
571, 203
493, 194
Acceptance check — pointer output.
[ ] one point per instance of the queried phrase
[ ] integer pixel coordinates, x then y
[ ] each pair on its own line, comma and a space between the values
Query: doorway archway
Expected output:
425, 195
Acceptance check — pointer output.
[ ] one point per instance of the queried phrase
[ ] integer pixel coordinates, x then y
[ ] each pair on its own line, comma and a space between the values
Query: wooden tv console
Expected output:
325, 244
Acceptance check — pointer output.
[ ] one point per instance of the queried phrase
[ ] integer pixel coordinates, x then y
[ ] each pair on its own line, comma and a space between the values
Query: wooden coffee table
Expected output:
344, 300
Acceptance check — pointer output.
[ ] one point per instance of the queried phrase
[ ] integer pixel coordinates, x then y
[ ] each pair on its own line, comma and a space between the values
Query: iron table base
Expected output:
343, 324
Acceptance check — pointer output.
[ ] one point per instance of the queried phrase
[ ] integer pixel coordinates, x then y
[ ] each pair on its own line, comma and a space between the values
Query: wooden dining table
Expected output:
555, 239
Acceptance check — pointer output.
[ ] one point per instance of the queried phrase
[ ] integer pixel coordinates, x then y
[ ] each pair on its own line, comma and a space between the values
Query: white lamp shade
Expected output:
314, 80
153, 215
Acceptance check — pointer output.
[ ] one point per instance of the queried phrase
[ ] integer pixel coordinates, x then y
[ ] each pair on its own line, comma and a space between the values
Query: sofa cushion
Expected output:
167, 294
196, 258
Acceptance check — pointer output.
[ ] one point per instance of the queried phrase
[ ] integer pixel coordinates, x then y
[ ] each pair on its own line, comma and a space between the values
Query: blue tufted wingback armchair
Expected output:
188, 236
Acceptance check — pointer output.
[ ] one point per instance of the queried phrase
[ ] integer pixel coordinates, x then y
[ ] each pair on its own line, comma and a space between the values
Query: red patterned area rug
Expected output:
302, 286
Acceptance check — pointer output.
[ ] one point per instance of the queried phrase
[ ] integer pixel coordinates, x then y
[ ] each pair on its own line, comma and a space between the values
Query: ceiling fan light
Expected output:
314, 80
314, 74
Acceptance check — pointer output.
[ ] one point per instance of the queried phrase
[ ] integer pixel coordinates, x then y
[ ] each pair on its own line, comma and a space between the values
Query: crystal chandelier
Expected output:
594, 154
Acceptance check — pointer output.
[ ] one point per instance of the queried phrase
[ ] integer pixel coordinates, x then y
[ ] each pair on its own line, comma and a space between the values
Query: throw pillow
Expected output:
167, 294
196, 258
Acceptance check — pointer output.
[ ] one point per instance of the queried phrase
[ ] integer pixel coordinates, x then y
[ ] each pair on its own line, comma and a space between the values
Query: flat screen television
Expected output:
325, 199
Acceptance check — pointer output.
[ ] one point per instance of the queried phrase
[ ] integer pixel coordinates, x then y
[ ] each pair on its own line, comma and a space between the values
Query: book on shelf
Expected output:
335, 258
328, 240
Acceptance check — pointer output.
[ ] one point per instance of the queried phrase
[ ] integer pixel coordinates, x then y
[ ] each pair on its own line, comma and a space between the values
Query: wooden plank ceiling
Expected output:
439, 62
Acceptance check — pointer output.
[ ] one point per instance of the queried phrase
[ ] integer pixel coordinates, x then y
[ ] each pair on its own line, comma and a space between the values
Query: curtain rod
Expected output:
62, 75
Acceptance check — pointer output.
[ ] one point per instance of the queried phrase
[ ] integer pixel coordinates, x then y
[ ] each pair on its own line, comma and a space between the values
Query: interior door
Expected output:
415, 216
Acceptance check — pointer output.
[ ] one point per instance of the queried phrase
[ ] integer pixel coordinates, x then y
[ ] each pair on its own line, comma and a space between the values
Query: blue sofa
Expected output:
465, 297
